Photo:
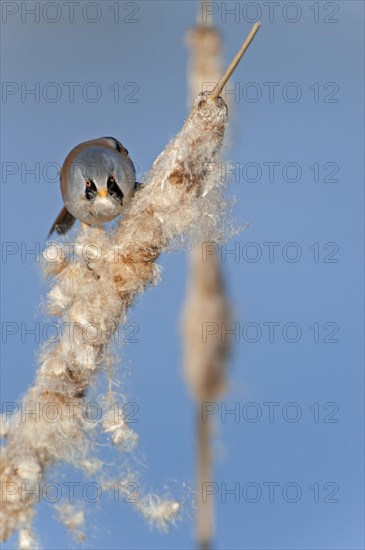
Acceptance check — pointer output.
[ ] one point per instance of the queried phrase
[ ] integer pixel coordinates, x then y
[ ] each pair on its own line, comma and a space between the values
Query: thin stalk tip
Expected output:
219, 87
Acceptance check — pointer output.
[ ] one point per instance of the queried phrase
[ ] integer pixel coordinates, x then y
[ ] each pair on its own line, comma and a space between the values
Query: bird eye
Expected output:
88, 183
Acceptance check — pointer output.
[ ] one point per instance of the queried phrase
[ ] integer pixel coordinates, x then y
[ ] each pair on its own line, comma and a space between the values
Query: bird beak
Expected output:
103, 193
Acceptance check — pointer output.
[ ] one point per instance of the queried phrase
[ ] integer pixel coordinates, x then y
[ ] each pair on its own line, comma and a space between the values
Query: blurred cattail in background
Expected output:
205, 359
204, 362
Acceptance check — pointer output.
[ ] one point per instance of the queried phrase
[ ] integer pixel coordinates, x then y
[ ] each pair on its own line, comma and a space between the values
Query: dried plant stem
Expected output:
223, 81
208, 15
96, 292
89, 292
205, 510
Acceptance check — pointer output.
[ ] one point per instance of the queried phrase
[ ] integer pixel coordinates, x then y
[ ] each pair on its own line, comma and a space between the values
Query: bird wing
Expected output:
63, 222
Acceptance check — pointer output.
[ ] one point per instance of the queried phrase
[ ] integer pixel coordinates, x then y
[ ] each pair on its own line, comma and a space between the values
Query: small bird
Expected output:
97, 180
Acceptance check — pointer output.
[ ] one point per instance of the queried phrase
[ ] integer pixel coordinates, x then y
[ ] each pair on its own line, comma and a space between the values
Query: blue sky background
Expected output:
321, 55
